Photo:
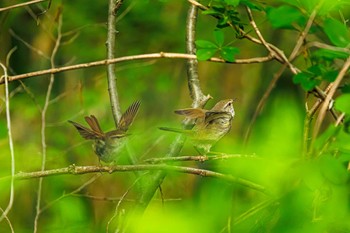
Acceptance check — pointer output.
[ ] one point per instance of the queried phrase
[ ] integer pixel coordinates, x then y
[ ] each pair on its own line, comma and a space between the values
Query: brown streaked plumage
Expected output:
107, 145
210, 125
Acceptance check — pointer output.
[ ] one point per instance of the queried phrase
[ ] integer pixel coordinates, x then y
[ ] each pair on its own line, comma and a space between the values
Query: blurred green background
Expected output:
307, 196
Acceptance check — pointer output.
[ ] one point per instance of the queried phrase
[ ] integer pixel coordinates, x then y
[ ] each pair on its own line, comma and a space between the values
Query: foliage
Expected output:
302, 166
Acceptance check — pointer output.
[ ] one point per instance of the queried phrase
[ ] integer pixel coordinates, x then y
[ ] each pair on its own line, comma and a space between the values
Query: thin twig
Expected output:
21, 5
254, 210
199, 158
43, 122
116, 211
326, 46
8, 222
279, 73
29, 46
12, 153
81, 187
129, 58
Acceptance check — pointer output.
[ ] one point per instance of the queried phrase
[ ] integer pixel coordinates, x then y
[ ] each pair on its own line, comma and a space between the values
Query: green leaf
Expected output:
212, 12
308, 81
284, 16
205, 54
337, 32
300, 77
329, 54
342, 103
310, 84
223, 22
232, 2
316, 70
219, 37
228, 53
252, 5
333, 170
345, 88
206, 44
330, 76
331, 132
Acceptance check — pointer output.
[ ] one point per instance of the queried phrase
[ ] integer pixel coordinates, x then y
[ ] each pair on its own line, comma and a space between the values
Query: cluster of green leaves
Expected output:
207, 49
323, 60
227, 13
295, 16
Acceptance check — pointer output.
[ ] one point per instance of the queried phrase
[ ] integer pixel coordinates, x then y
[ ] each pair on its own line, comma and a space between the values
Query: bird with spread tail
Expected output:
210, 125
107, 145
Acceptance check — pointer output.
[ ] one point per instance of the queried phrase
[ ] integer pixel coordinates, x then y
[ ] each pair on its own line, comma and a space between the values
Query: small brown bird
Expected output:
210, 125
107, 145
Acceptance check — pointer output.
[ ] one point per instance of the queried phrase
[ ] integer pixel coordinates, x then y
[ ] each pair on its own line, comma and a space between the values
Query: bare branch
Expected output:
43, 122
81, 187
21, 5
327, 46
116, 211
79, 170
12, 153
328, 100
8, 222
196, 93
199, 158
29, 46
110, 44
128, 58
279, 73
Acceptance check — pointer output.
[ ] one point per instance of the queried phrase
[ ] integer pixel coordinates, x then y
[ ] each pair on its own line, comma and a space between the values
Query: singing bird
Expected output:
210, 125
107, 145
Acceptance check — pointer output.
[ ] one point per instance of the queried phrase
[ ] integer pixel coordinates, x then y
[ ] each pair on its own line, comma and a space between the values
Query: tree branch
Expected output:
110, 44
21, 5
199, 158
328, 100
79, 170
12, 153
43, 120
198, 98
129, 58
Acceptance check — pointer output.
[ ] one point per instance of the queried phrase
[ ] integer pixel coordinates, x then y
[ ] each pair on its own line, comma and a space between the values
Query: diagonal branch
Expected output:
21, 5
328, 100
279, 73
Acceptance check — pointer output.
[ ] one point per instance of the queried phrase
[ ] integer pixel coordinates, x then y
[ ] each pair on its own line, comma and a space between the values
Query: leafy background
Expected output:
308, 195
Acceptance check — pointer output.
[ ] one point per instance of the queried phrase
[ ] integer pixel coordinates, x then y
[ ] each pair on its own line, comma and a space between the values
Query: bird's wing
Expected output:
192, 113
86, 132
128, 117
93, 123
212, 115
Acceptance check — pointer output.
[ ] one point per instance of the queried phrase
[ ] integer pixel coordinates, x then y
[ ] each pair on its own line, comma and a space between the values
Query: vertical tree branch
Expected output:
154, 180
9, 132
110, 44
196, 93
43, 121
